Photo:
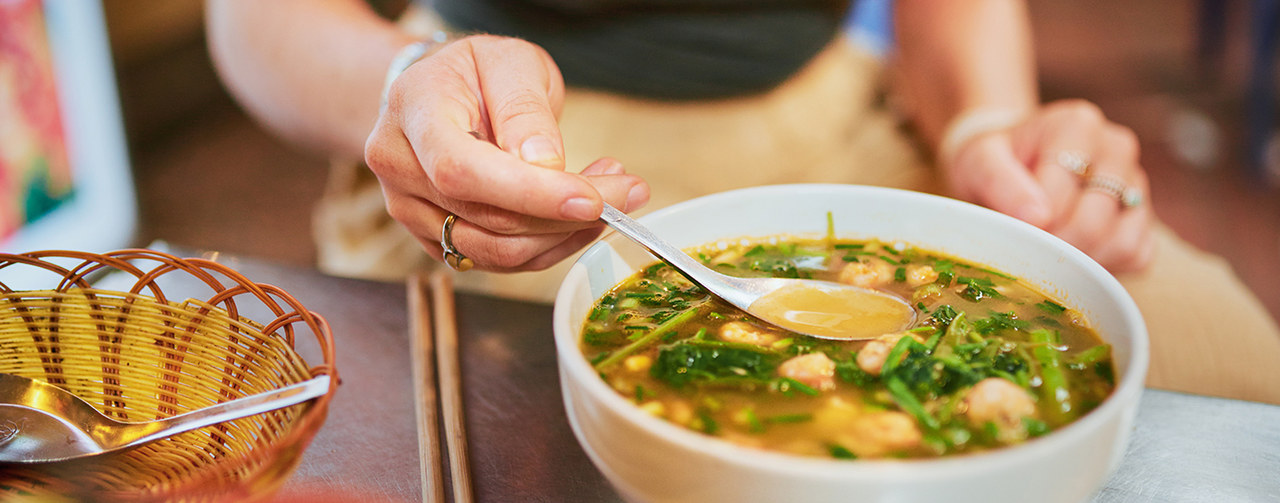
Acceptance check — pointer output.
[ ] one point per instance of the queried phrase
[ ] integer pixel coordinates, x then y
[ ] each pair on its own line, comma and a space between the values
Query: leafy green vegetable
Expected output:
778, 268
926, 376
896, 355
757, 251
946, 271
977, 289
909, 403
641, 393
596, 337
943, 315
684, 362
1000, 321
1106, 371
994, 358
603, 307
1099, 353
707, 423
1097, 357
849, 371
1051, 307
957, 331
840, 452
1035, 427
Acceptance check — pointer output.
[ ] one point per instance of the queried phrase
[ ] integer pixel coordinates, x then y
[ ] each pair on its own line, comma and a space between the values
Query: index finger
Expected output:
468, 169
521, 91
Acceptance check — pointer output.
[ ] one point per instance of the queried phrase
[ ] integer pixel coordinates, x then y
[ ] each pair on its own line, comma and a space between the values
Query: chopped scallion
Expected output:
1051, 307
788, 418
648, 338
840, 452
786, 384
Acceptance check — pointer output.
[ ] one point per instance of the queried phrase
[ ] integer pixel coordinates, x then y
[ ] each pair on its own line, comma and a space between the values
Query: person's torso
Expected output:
666, 49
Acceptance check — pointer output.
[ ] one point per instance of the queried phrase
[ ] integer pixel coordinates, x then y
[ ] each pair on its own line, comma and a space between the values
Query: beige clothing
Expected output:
824, 125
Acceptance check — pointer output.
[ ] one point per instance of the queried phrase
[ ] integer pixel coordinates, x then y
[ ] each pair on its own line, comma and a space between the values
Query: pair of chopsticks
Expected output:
434, 337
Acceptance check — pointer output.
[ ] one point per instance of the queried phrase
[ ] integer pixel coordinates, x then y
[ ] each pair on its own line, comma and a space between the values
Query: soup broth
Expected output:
989, 361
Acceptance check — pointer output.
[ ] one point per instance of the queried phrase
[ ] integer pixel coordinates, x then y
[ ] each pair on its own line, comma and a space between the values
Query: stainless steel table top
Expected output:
1184, 448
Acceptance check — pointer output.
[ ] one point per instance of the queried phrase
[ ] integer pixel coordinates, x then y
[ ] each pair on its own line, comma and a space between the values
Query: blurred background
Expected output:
1181, 73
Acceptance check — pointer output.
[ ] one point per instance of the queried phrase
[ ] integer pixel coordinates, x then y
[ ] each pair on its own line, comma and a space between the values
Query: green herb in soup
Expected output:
989, 362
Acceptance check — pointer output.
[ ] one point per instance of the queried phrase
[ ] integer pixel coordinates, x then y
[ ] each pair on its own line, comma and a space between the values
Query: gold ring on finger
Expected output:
452, 256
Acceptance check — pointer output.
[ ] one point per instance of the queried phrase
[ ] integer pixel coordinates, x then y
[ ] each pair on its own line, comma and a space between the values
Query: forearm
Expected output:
310, 70
952, 56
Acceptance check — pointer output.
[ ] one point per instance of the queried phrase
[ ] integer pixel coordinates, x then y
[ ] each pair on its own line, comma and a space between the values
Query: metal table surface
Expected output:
1184, 448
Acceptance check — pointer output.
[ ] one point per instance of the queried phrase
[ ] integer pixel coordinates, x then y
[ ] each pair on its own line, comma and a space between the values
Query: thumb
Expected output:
988, 172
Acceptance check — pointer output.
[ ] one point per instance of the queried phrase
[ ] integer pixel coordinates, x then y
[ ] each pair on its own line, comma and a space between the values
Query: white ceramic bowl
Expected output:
650, 460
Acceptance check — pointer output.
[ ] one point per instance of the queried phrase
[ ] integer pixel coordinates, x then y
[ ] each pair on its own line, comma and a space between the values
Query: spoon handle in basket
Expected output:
226, 411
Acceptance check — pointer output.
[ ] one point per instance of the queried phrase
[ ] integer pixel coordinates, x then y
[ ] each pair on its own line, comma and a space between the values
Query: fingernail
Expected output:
539, 150
604, 167
612, 167
580, 208
637, 197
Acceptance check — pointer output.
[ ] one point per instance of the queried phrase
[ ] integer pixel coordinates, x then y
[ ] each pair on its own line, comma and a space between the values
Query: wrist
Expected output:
972, 123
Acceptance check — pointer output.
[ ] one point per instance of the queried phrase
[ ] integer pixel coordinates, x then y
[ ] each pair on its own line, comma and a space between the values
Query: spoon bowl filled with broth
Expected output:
1015, 379
805, 306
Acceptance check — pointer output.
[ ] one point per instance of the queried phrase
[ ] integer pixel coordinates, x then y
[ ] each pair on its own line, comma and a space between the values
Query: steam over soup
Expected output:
990, 361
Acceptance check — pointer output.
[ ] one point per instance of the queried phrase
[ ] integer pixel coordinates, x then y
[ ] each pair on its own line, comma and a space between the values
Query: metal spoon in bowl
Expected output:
822, 309
41, 423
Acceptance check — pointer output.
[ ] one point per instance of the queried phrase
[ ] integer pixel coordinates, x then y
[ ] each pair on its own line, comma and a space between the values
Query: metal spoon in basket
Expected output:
41, 423
822, 309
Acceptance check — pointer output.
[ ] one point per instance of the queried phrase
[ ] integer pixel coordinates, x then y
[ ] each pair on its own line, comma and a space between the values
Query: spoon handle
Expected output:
721, 285
226, 411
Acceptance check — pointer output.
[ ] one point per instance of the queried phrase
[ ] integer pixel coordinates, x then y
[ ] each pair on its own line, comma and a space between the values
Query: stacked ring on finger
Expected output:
1115, 188
1074, 161
452, 256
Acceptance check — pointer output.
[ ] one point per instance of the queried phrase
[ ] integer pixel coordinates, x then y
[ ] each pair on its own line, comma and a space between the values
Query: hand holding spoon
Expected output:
822, 309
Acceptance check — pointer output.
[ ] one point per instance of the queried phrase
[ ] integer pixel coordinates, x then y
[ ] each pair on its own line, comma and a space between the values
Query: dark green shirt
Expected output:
667, 49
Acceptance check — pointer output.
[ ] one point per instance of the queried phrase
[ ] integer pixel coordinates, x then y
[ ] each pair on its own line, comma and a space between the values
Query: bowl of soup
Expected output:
1018, 379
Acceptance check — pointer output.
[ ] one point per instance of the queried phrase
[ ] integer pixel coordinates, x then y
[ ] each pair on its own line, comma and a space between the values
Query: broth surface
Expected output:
989, 360
840, 313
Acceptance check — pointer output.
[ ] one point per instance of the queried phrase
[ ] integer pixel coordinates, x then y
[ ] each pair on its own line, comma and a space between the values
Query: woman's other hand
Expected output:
1067, 169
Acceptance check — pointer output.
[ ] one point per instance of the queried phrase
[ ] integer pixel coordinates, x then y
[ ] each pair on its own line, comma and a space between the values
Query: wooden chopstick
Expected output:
450, 374
424, 383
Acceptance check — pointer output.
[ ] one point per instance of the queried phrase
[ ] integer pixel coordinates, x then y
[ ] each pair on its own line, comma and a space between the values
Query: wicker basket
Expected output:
139, 355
